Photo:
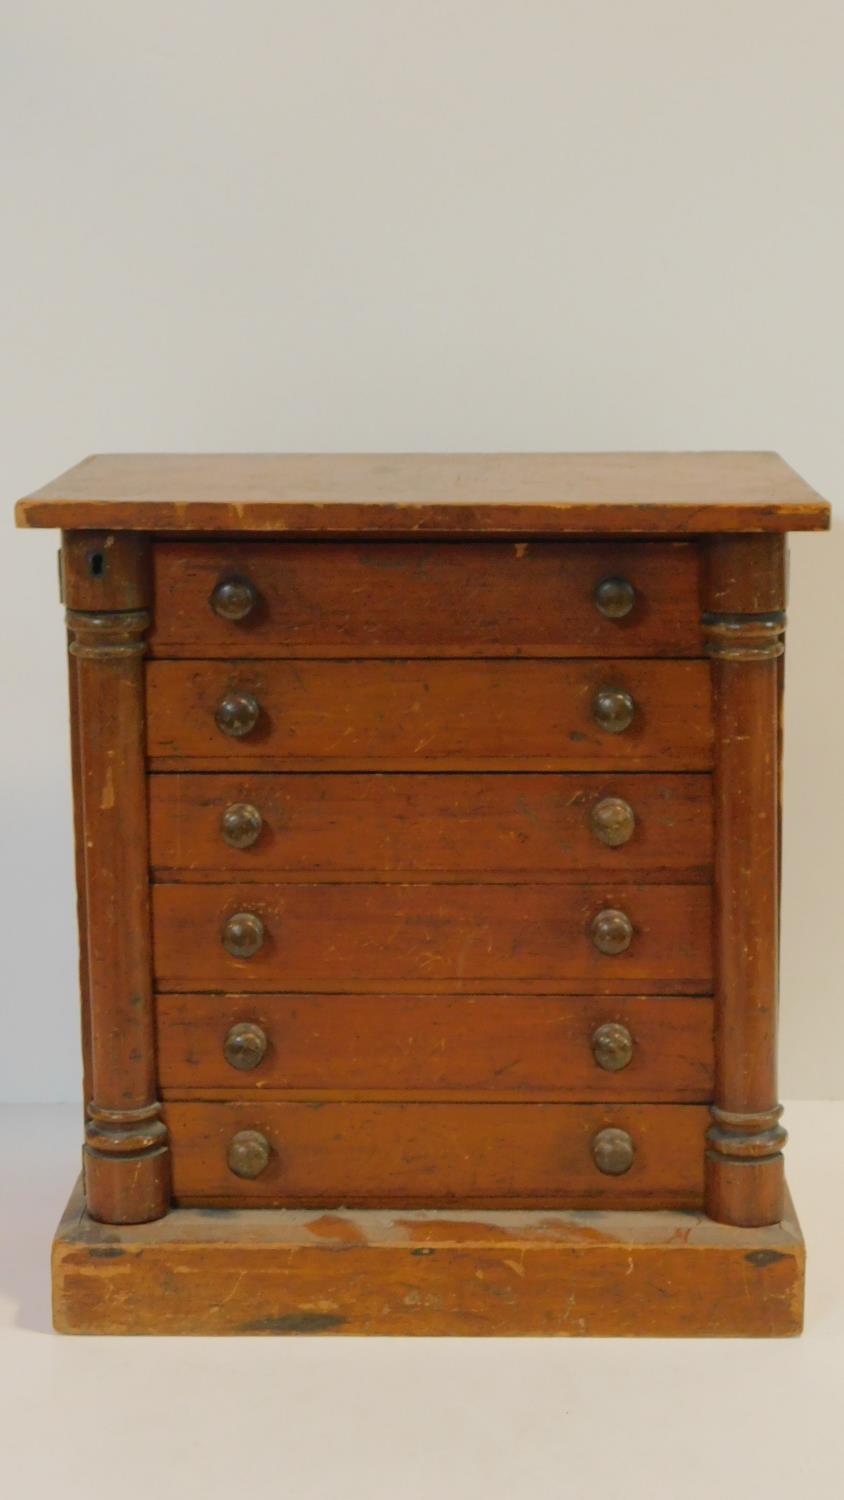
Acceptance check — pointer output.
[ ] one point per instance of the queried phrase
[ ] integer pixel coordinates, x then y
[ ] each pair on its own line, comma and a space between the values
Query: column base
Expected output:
748, 1194
744, 1167
426, 1272
127, 1189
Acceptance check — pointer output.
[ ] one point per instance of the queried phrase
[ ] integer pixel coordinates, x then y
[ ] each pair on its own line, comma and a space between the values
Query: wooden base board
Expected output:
282, 1271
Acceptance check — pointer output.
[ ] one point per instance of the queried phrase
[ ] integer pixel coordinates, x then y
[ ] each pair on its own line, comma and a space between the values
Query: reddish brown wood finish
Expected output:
396, 715
438, 1154
506, 1045
101, 572
430, 494
408, 599
399, 827
79, 868
745, 1183
329, 937
425, 642
126, 1160
105, 571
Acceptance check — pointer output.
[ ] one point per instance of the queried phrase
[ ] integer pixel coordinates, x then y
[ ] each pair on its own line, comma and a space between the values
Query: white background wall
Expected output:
356, 224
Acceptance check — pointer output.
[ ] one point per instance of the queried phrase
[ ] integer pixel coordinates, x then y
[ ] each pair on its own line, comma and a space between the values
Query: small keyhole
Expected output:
96, 564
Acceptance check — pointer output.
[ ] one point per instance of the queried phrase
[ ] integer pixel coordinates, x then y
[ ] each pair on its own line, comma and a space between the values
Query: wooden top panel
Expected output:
407, 495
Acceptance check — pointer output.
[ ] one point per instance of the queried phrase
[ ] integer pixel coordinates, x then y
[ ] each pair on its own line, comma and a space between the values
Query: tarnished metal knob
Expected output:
613, 821
612, 1046
237, 714
614, 598
241, 825
611, 931
249, 1153
613, 1151
234, 598
243, 934
613, 709
245, 1046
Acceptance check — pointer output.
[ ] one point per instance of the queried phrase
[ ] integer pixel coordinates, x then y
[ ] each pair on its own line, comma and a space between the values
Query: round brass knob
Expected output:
245, 1046
612, 1046
613, 1151
611, 931
241, 825
613, 821
613, 709
233, 598
249, 1153
237, 714
614, 598
243, 934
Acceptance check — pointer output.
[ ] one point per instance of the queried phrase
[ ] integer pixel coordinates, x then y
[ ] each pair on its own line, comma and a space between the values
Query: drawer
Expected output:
440, 598
410, 826
392, 715
570, 1046
357, 936
433, 1154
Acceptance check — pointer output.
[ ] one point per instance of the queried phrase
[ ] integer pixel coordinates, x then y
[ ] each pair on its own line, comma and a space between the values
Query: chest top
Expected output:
428, 494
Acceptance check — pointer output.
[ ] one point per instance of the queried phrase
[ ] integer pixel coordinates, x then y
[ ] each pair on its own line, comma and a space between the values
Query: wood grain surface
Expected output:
427, 599
395, 715
125, 1152
360, 936
473, 1044
413, 494
412, 826
435, 1154
290, 1272
746, 585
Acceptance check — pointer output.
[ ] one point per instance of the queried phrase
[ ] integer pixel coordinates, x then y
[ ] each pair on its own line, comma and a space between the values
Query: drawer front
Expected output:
433, 1154
413, 826
360, 715
572, 1047
441, 598
353, 936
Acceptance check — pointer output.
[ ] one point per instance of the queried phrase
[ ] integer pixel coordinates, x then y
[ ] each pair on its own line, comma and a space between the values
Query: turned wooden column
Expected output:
106, 589
744, 625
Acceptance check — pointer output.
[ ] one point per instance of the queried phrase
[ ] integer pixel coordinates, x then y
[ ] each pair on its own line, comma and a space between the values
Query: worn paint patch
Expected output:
333, 1227
105, 1252
107, 797
762, 1258
304, 1322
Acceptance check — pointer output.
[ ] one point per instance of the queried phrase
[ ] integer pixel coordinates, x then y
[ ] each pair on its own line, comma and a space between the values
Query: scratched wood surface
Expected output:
428, 1155
422, 494
125, 1144
395, 715
428, 981
399, 827
746, 585
278, 1272
297, 1272
514, 1045
344, 935
427, 599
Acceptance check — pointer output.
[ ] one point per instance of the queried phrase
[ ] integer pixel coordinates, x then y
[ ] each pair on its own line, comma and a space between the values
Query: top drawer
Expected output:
426, 598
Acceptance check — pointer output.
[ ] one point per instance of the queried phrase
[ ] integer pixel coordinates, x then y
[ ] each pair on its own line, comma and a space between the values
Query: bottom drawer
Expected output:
432, 1155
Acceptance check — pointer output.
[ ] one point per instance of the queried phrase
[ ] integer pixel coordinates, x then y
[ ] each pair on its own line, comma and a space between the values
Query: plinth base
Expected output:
282, 1271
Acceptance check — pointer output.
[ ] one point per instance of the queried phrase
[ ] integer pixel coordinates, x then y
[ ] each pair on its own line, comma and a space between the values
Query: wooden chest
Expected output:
427, 818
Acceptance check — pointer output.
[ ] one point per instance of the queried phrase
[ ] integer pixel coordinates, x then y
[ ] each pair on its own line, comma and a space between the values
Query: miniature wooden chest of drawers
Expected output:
427, 819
